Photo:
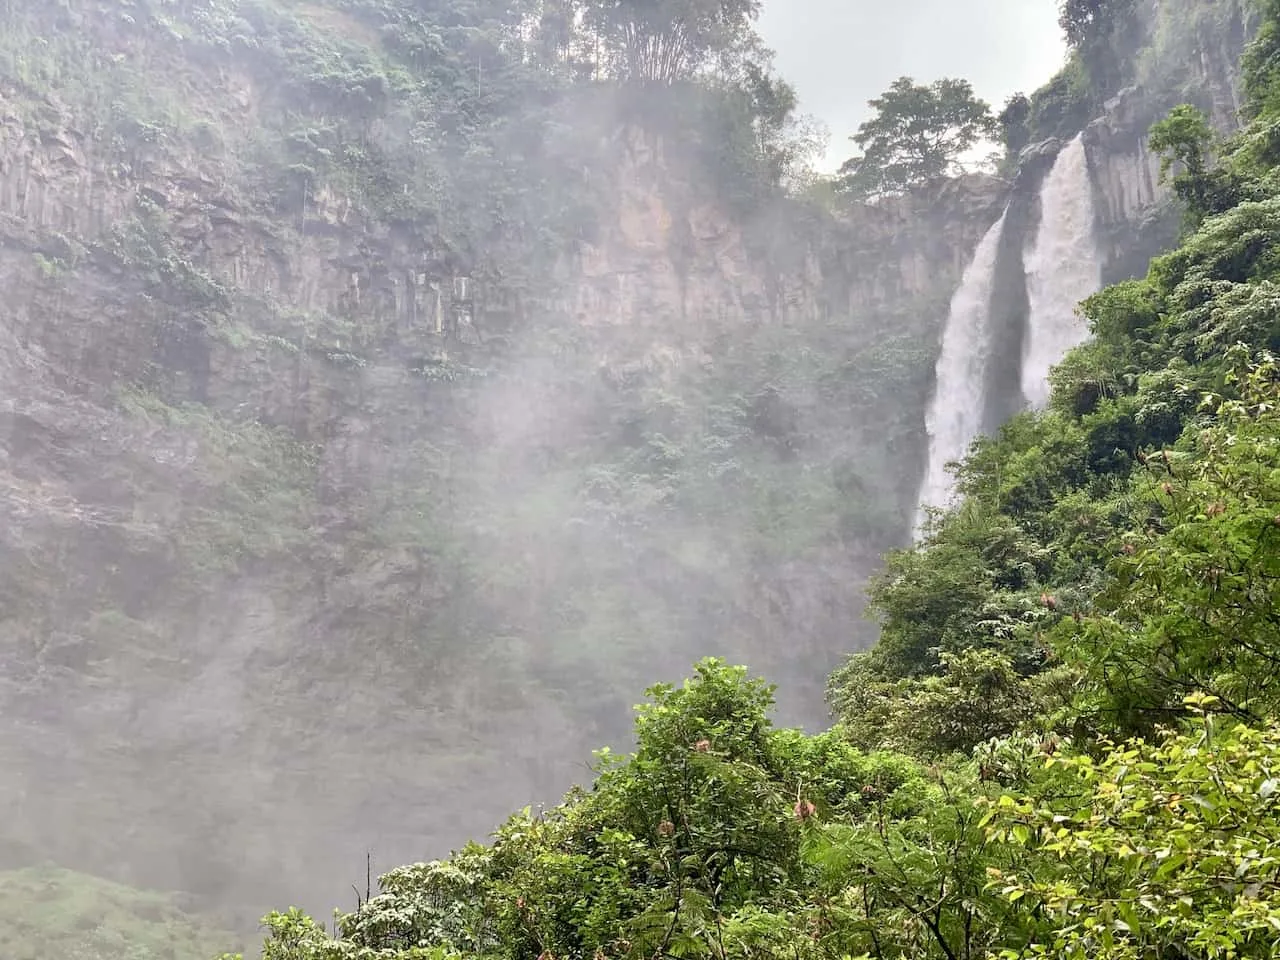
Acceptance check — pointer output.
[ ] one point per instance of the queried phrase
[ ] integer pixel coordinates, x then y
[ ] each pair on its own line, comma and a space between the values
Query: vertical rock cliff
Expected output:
1192, 55
354, 482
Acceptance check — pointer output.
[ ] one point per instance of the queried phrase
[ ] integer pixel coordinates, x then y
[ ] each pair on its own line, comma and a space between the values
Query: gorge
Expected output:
393, 391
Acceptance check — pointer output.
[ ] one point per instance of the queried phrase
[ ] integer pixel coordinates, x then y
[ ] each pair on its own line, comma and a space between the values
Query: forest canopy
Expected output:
662, 41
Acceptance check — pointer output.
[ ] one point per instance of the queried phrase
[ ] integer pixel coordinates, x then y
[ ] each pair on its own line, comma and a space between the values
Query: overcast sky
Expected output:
841, 53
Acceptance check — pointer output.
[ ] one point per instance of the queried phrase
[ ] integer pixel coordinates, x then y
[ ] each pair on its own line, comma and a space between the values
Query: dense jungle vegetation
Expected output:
1066, 743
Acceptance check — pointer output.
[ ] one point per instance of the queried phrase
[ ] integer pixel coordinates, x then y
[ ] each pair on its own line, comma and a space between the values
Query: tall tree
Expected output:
1104, 33
662, 41
919, 133
1015, 122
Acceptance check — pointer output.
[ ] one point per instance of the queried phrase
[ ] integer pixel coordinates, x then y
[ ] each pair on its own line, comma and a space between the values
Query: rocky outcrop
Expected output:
1126, 172
671, 249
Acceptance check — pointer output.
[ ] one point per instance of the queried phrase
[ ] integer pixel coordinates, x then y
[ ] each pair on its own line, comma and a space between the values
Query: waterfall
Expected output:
1063, 266
955, 415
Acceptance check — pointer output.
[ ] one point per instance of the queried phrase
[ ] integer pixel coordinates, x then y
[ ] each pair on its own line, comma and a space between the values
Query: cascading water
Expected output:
1063, 266
955, 415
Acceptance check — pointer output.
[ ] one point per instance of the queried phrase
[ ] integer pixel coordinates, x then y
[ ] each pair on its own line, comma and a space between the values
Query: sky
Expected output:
841, 53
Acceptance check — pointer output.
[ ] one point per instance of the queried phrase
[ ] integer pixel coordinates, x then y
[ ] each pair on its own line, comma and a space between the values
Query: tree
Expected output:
1182, 137
919, 134
1103, 32
662, 41
1015, 122
1261, 64
1088, 21
1193, 600
1165, 849
1185, 138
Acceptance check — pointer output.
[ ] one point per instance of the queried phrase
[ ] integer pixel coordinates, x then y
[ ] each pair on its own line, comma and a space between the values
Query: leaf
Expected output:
1130, 916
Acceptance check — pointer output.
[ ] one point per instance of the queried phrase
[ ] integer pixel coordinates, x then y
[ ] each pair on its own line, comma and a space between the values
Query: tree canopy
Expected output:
1014, 121
662, 41
919, 133
1102, 32
1088, 21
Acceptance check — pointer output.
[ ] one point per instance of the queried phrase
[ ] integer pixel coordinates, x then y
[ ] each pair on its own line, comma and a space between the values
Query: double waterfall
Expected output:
1062, 266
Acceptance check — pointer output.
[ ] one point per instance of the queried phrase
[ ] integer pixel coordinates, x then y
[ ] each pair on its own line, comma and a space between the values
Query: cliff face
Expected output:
671, 249
1192, 55
365, 448
327, 532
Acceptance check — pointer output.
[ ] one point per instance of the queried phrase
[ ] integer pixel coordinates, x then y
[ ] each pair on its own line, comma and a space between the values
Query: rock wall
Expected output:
1192, 56
303, 551
323, 534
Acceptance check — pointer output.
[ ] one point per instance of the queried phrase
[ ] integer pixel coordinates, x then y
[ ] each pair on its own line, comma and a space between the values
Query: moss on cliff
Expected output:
388, 390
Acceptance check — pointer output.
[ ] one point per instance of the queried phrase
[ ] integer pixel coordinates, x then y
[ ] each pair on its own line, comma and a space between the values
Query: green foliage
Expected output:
918, 135
1086, 21
978, 696
903, 886
699, 844
72, 916
144, 245
1063, 106
1184, 138
1192, 599
1262, 65
1015, 123
1104, 33
1155, 849
661, 41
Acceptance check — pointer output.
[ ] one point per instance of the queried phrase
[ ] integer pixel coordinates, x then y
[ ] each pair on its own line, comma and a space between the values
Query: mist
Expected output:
370, 444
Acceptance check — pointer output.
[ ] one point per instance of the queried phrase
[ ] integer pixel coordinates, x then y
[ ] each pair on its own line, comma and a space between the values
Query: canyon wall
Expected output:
324, 534
1192, 56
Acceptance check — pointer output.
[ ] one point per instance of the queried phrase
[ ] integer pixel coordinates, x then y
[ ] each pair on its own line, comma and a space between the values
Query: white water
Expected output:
955, 415
1063, 266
